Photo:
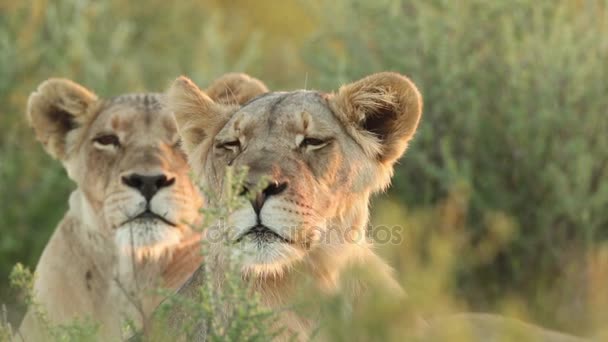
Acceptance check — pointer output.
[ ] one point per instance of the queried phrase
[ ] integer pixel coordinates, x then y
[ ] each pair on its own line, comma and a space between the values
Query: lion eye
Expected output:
230, 145
313, 142
107, 140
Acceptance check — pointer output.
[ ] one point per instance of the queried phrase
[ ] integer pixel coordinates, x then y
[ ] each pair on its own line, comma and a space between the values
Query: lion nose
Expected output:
273, 188
147, 185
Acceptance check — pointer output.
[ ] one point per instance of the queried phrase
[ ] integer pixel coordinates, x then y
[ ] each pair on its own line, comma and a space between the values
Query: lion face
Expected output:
131, 169
322, 155
124, 154
305, 166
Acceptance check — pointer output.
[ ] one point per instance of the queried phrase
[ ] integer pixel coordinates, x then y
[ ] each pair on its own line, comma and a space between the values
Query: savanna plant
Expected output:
234, 313
81, 329
6, 329
515, 123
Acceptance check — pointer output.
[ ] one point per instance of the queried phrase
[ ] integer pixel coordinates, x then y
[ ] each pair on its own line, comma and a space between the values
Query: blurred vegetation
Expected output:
514, 129
502, 195
82, 329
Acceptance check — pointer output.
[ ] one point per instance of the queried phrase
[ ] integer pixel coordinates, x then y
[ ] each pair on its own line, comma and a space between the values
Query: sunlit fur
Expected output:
323, 212
100, 262
324, 209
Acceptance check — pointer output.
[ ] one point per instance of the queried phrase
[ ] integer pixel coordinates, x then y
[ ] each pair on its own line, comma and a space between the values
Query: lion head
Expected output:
128, 228
322, 154
124, 155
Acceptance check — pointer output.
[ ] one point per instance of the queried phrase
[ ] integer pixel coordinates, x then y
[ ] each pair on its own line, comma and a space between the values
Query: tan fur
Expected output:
100, 262
323, 209
50, 112
235, 89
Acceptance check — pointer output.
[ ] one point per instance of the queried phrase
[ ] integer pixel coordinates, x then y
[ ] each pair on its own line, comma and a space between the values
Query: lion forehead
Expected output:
140, 116
282, 113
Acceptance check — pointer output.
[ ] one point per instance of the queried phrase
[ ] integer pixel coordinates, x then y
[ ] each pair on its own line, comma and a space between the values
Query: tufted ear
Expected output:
56, 108
235, 88
201, 114
381, 112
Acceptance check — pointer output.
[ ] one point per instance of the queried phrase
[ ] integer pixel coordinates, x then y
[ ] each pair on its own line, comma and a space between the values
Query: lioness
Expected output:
324, 154
127, 230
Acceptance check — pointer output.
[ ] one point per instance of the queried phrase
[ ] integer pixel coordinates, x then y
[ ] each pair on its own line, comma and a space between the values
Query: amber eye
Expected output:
229, 145
107, 140
314, 142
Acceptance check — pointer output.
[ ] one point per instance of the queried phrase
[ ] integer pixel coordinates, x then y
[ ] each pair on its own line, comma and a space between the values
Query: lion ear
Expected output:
55, 109
196, 114
381, 112
235, 88
200, 114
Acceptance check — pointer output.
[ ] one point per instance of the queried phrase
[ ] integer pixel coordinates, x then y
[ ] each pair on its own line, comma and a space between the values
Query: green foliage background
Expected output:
502, 194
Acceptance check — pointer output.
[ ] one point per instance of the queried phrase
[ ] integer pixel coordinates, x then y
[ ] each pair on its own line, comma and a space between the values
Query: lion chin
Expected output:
147, 240
263, 254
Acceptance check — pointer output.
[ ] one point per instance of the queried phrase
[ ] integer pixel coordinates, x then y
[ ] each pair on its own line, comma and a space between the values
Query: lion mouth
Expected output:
149, 215
261, 233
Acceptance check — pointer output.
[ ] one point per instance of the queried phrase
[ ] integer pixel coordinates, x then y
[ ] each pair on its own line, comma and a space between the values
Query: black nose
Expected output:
273, 188
147, 185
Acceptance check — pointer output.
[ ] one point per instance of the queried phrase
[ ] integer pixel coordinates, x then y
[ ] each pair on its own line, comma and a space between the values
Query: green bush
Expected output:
515, 120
